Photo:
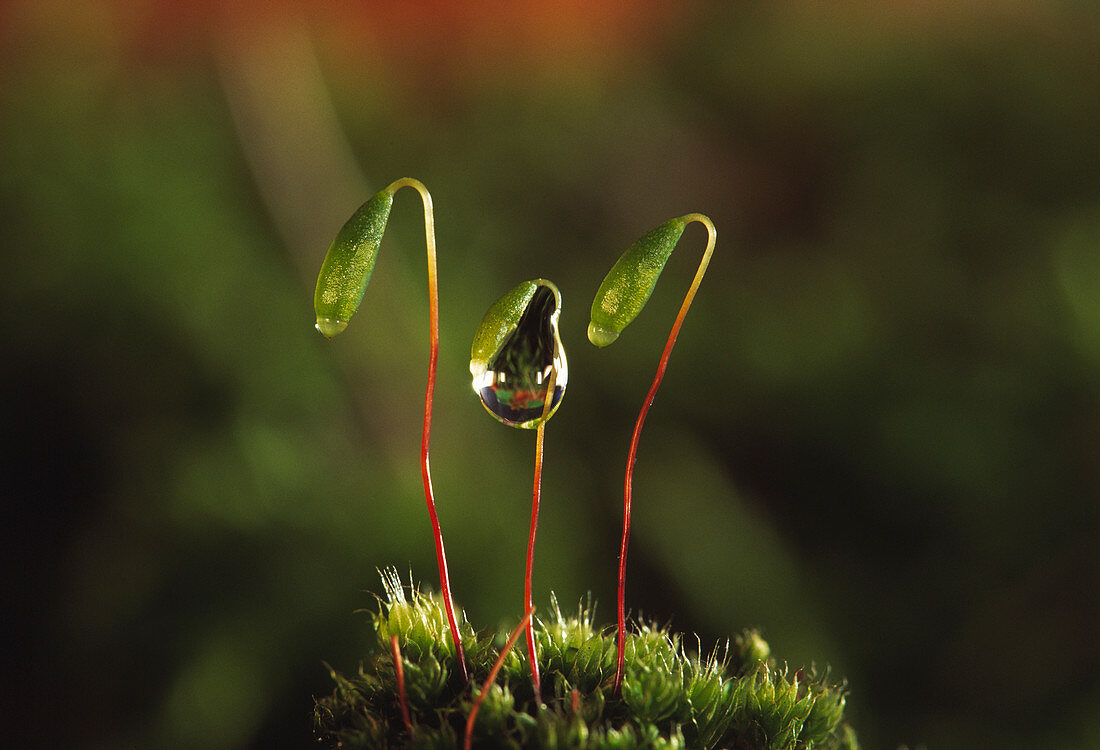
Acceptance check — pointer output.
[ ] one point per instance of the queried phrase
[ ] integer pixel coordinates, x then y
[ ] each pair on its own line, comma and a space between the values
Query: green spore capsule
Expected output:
517, 353
630, 282
349, 263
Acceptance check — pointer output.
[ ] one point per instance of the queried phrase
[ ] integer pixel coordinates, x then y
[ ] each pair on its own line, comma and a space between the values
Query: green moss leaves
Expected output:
737, 697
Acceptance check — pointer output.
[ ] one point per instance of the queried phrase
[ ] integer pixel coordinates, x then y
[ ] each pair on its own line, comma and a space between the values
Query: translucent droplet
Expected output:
597, 334
330, 327
514, 384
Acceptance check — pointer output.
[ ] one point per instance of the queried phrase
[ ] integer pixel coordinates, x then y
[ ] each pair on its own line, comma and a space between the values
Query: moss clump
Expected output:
736, 698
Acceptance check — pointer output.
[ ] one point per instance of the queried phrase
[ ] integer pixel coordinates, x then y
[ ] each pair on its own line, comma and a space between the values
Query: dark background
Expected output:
879, 438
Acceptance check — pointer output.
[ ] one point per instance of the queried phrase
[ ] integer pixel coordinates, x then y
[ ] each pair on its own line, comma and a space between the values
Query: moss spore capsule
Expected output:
517, 353
630, 282
349, 263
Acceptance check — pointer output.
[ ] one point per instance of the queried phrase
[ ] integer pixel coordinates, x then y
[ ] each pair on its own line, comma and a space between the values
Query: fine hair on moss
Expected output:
736, 696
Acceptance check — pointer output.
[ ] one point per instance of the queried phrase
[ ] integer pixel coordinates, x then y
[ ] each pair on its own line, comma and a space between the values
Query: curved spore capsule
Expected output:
517, 352
349, 263
630, 282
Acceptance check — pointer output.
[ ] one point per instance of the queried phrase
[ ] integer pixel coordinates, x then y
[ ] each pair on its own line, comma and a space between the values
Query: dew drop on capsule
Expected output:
514, 384
330, 327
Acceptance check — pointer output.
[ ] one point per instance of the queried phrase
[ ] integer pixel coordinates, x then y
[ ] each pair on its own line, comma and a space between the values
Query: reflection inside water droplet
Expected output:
515, 383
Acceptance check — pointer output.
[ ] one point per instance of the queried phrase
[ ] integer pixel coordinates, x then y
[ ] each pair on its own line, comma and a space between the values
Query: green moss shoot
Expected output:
736, 697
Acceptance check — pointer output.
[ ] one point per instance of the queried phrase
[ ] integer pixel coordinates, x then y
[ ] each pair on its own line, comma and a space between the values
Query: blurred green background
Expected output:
879, 438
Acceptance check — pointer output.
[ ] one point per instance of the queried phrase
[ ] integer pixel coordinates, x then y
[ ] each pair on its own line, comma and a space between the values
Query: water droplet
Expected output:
515, 382
597, 334
330, 327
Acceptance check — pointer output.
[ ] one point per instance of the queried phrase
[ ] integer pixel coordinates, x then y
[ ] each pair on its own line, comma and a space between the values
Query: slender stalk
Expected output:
536, 495
433, 337
526, 621
399, 670
633, 452
531, 649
